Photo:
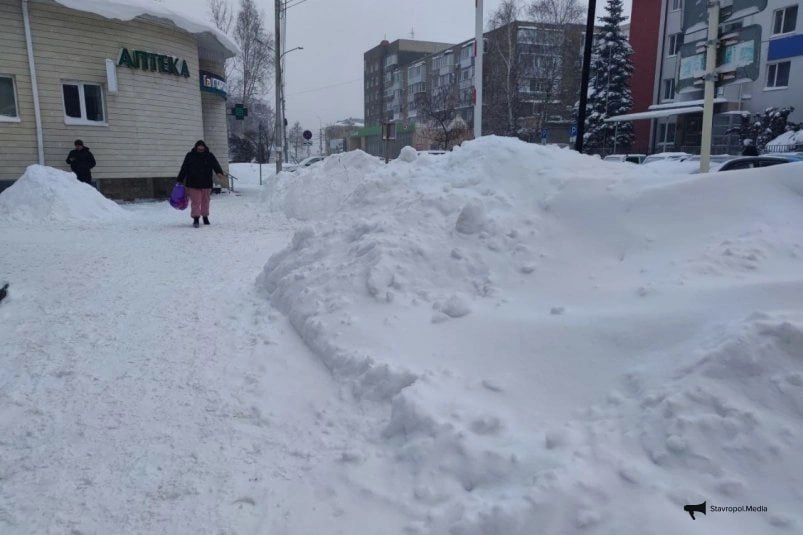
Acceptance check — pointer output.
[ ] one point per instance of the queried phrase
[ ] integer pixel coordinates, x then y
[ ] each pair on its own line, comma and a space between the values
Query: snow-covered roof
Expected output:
207, 35
685, 104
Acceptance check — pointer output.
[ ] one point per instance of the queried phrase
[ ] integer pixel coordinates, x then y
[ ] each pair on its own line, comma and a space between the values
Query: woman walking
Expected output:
196, 175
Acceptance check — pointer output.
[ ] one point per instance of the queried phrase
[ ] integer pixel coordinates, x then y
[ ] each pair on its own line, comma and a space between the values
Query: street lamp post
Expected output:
277, 52
284, 117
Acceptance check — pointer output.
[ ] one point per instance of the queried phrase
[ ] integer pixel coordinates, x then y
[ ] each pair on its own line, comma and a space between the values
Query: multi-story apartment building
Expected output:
531, 81
760, 65
383, 76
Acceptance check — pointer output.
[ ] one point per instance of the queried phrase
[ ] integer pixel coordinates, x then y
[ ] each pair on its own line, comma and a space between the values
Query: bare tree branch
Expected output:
557, 11
223, 17
254, 64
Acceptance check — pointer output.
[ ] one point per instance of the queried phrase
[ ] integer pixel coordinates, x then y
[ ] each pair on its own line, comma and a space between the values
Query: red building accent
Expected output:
645, 30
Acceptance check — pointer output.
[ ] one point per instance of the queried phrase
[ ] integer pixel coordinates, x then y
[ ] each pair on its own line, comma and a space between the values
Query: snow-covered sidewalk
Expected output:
146, 387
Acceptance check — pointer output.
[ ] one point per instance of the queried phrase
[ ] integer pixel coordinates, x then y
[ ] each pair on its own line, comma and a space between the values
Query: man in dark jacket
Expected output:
196, 175
81, 162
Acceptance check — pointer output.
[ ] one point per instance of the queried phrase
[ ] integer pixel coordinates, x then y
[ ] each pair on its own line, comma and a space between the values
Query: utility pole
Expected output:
277, 49
479, 50
261, 152
581, 112
710, 79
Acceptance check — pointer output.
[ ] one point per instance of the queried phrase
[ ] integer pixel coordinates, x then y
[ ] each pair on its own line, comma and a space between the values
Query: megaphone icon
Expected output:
691, 509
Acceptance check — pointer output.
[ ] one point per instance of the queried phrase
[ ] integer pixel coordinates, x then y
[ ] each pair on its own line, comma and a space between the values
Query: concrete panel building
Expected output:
760, 65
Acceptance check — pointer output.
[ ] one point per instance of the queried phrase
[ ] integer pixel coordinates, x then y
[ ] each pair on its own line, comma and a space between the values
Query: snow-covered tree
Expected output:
609, 89
762, 128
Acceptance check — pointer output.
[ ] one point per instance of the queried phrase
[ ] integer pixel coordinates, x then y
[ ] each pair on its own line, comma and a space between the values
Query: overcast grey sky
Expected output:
324, 81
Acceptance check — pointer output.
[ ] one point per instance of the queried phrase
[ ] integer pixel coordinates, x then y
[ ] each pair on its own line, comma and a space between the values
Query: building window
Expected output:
669, 89
778, 74
784, 20
675, 42
8, 99
677, 5
666, 136
83, 103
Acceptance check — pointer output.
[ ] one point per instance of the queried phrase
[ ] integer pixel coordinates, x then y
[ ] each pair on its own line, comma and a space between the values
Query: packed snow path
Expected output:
147, 388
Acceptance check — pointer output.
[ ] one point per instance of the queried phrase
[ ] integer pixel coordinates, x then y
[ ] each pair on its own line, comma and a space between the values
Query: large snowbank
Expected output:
132, 9
562, 342
46, 194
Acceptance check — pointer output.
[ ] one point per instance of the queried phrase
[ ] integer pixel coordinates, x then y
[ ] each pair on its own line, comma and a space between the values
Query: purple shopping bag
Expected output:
178, 197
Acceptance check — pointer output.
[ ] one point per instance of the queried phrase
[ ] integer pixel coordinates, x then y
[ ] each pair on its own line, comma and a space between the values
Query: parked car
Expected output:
306, 162
432, 152
632, 158
753, 162
717, 160
666, 157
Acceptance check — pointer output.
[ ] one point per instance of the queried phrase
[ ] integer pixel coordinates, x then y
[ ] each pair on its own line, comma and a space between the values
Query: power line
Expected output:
288, 5
325, 87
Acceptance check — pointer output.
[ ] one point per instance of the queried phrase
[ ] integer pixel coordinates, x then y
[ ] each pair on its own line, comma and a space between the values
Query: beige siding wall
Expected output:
152, 121
214, 118
17, 140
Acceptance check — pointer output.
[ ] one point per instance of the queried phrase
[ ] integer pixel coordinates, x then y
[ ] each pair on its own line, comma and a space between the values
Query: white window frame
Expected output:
674, 48
767, 86
664, 87
677, 5
783, 20
6, 118
664, 143
82, 102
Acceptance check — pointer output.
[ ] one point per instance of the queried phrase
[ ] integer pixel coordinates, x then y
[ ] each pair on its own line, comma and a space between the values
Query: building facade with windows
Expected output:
138, 85
531, 73
759, 65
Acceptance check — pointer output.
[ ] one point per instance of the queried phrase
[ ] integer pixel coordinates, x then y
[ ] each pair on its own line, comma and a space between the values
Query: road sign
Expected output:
307, 135
573, 131
544, 134
239, 111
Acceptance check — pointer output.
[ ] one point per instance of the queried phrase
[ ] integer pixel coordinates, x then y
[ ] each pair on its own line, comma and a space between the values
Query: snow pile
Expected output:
317, 191
787, 139
491, 297
719, 424
46, 194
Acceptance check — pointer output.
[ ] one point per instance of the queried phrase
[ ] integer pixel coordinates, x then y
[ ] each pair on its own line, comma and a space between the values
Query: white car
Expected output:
632, 158
666, 157
306, 162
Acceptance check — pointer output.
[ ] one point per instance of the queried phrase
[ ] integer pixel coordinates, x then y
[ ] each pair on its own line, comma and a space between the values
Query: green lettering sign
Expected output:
125, 59
164, 63
148, 61
141, 60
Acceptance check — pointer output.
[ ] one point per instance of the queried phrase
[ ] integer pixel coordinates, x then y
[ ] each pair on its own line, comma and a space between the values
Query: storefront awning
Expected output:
685, 104
657, 114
